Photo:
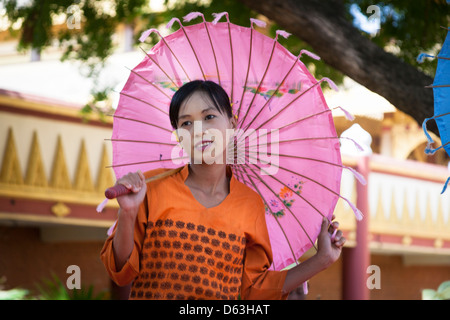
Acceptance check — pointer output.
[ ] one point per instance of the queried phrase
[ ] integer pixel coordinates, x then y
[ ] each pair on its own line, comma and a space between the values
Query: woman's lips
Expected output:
202, 145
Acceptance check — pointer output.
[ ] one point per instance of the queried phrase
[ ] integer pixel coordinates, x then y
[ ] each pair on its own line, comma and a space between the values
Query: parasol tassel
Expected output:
357, 145
445, 185
172, 21
191, 16
428, 149
282, 33
111, 229
310, 54
421, 57
305, 287
347, 114
357, 175
146, 33
102, 205
259, 23
358, 214
330, 83
218, 16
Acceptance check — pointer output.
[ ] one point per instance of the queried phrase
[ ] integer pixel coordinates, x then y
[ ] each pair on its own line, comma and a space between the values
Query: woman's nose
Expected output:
198, 129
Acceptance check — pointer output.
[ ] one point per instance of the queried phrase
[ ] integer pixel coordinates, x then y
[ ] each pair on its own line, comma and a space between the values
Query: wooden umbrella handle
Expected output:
116, 191
120, 190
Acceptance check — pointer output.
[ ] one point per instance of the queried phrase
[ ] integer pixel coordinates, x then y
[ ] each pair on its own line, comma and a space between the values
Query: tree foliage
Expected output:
407, 28
411, 27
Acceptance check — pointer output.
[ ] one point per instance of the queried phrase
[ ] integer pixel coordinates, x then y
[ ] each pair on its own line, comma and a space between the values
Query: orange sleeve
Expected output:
131, 268
258, 282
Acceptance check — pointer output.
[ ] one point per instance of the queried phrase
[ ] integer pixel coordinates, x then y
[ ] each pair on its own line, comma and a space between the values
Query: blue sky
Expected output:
370, 25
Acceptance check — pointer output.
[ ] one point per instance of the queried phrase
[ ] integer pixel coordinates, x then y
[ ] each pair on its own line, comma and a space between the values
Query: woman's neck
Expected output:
211, 179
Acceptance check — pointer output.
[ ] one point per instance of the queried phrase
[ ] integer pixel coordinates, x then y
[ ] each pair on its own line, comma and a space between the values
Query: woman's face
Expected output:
203, 131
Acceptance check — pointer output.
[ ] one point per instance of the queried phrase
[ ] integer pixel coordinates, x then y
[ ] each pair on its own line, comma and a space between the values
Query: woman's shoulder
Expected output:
159, 175
155, 172
246, 192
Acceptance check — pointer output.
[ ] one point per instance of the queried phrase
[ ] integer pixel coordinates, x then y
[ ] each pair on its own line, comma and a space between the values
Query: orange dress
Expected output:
183, 250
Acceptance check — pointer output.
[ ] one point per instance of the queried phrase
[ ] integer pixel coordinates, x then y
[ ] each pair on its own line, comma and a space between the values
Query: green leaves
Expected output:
442, 293
55, 289
408, 28
52, 289
13, 294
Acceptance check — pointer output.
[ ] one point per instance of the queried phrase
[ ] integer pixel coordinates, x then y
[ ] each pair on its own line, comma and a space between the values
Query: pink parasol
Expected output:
291, 153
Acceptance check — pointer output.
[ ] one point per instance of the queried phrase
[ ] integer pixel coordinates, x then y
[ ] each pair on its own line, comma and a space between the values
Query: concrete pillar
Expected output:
356, 260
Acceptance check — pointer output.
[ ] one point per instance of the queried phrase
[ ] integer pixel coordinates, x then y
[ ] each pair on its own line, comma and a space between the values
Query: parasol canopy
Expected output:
286, 147
441, 92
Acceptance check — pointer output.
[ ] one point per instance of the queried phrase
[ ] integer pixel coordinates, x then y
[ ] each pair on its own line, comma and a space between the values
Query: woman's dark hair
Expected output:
213, 91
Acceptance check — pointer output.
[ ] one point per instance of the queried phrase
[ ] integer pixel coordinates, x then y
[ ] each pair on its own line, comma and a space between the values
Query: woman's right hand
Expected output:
129, 203
129, 207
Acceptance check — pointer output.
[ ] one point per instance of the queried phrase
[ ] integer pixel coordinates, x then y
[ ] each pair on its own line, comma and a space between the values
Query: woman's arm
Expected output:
123, 241
328, 251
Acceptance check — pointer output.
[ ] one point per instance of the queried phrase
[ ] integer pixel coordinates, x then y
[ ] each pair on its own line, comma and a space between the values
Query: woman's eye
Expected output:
186, 123
210, 116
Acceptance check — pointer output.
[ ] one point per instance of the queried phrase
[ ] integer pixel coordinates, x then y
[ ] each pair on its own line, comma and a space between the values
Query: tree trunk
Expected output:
323, 25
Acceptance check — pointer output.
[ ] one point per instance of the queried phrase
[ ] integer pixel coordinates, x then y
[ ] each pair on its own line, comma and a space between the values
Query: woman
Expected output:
200, 233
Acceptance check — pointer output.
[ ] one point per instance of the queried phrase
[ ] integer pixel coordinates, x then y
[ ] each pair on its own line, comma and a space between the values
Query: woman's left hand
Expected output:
330, 242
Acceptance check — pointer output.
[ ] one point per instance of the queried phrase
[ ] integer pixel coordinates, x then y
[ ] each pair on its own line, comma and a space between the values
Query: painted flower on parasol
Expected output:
441, 91
285, 148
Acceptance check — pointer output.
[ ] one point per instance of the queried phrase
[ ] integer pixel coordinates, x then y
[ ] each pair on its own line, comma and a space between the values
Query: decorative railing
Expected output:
407, 211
